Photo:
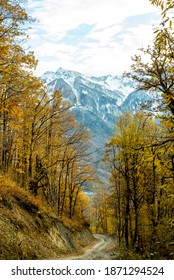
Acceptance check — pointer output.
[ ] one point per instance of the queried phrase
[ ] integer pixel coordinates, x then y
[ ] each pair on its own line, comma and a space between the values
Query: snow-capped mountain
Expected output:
136, 100
97, 101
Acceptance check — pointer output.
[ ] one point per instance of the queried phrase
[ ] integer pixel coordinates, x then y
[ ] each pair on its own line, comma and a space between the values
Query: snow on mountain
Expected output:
93, 94
106, 97
114, 83
96, 101
102, 98
135, 100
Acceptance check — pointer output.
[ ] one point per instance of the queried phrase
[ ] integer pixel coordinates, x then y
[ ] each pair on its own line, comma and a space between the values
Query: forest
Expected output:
47, 153
140, 156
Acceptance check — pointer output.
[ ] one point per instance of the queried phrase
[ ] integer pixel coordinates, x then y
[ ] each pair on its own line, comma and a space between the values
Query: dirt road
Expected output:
102, 250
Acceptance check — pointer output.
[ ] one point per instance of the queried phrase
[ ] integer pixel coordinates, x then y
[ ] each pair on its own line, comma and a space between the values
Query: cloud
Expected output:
105, 35
93, 36
58, 17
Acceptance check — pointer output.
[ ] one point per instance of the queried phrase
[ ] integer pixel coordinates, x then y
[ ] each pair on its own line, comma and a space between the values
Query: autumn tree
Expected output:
155, 74
75, 170
101, 212
125, 164
13, 75
137, 183
166, 6
153, 71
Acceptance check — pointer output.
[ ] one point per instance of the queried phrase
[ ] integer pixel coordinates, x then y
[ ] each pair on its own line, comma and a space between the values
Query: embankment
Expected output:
31, 230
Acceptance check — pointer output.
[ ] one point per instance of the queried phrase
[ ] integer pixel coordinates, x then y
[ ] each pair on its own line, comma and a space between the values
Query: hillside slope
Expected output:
29, 230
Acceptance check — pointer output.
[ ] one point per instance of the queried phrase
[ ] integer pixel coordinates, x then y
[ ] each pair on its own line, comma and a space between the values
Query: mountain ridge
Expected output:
97, 102
106, 96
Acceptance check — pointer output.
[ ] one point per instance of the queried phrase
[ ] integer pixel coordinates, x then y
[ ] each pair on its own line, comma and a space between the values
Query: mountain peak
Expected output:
97, 102
66, 72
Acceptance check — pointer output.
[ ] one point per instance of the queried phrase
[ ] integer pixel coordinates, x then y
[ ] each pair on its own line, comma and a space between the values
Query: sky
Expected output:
95, 37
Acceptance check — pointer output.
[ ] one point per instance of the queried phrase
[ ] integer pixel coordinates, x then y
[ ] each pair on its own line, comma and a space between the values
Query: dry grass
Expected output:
75, 223
9, 189
30, 229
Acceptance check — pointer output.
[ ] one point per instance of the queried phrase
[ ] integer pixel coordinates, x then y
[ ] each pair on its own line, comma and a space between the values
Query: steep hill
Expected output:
31, 230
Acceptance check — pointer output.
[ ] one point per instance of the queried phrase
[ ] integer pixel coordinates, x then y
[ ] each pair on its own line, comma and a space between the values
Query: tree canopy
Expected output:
42, 147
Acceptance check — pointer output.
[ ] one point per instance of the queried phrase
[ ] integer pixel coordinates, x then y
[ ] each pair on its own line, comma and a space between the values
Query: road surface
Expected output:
103, 249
